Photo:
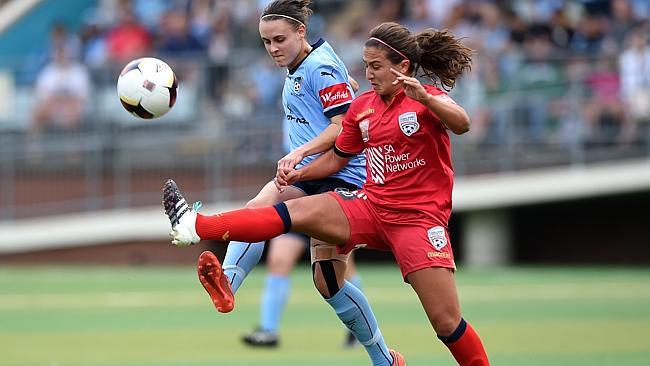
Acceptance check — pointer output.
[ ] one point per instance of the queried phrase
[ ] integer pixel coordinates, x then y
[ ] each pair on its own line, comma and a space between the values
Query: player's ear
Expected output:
404, 66
302, 31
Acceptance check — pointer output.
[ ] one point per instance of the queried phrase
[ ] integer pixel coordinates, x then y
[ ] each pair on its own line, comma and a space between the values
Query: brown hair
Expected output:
296, 9
440, 55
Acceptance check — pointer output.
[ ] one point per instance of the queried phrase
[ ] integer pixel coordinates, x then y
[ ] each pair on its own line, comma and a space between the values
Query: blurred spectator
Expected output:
439, 11
150, 12
603, 109
175, 37
128, 39
623, 19
590, 36
219, 50
561, 29
634, 63
59, 36
202, 14
417, 15
62, 92
93, 41
389, 10
540, 82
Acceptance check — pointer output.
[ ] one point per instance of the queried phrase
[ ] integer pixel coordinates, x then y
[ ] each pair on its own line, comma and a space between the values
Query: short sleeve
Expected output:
349, 141
333, 89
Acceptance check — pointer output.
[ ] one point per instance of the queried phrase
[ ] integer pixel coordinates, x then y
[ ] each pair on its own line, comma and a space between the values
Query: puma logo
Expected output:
325, 73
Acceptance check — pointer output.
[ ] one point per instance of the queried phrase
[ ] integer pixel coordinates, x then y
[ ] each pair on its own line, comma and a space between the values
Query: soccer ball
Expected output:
147, 87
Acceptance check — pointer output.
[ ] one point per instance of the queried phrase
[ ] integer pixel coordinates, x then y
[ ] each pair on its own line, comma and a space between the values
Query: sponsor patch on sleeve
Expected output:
335, 95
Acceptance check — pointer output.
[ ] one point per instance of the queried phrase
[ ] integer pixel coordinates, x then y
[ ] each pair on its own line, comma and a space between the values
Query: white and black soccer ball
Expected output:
147, 87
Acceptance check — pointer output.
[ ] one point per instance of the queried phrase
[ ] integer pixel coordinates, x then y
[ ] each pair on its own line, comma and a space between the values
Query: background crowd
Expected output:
561, 68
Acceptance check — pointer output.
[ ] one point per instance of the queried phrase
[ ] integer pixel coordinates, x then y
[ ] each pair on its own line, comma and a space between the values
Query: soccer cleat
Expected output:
398, 359
215, 282
261, 338
181, 216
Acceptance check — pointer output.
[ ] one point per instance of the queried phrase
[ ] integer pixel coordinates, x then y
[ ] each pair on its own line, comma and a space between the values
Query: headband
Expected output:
389, 46
282, 15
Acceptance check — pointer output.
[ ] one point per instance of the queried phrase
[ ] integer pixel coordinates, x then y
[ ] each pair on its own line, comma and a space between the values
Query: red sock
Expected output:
247, 225
466, 346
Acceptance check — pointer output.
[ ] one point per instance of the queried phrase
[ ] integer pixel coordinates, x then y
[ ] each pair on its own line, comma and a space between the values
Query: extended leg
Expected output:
436, 289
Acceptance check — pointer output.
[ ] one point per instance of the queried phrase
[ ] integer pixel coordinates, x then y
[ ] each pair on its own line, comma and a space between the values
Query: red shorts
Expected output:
416, 240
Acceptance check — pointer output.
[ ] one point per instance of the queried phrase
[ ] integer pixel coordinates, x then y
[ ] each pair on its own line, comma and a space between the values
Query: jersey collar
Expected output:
313, 47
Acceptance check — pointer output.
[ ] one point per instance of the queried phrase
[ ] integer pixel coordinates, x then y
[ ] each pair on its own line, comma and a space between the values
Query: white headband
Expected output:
284, 16
389, 46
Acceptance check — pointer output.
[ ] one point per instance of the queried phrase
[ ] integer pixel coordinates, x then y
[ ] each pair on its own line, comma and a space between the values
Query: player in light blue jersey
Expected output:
317, 93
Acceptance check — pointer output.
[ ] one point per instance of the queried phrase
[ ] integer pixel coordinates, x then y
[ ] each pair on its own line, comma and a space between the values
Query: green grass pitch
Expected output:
116, 316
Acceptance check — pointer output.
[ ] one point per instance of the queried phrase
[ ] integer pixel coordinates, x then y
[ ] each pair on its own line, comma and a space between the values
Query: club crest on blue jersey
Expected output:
408, 123
297, 86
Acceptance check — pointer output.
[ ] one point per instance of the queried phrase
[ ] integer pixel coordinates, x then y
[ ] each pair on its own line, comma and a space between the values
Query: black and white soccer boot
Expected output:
181, 216
261, 338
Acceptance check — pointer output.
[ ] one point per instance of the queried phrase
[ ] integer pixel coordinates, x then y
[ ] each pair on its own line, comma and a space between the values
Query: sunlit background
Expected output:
550, 204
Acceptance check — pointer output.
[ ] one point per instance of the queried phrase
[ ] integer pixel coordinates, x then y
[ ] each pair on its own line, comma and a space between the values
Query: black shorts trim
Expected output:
329, 184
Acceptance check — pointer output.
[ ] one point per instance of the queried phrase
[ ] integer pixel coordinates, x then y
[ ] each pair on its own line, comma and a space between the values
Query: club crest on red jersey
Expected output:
437, 237
363, 126
408, 123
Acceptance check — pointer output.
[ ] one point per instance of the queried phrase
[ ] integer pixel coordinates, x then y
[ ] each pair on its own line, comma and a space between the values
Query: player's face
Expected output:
281, 41
378, 71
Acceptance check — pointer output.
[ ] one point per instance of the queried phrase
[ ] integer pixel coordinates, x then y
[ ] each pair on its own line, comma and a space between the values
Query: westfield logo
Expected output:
333, 97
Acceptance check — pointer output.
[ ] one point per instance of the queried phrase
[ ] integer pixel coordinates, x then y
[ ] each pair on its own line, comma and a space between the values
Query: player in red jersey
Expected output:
406, 201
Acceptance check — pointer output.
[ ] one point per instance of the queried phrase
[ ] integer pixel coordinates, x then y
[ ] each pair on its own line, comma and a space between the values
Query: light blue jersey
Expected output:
314, 91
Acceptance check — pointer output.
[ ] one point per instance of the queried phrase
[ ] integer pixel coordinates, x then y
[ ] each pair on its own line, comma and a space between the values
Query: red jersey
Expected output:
408, 153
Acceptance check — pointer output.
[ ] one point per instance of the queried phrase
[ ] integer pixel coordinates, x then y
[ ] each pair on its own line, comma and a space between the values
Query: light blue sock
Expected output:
240, 260
356, 281
274, 297
352, 307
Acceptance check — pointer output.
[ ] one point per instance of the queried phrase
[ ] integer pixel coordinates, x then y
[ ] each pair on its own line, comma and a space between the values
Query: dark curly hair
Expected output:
441, 56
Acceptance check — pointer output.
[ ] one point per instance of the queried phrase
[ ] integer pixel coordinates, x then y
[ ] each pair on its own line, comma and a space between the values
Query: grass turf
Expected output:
75, 316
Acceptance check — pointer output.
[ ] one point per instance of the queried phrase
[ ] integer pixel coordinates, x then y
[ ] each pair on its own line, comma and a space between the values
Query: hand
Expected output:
280, 179
290, 160
286, 177
412, 86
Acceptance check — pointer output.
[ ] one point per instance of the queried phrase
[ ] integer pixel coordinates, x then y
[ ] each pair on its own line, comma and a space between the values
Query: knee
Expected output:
320, 284
445, 323
255, 202
325, 278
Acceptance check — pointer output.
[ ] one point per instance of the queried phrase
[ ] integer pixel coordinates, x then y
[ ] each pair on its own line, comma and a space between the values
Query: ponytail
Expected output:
442, 56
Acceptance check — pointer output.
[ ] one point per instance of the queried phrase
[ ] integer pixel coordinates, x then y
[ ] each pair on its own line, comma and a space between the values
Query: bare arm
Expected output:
321, 167
451, 114
322, 142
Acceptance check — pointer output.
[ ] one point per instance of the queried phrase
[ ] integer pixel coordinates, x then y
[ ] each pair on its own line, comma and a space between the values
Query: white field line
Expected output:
386, 295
